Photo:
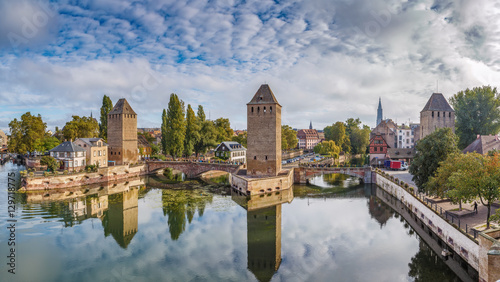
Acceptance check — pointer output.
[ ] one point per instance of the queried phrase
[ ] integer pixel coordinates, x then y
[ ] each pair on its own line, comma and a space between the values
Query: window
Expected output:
270, 109
94, 153
76, 163
252, 109
258, 109
432, 114
438, 114
375, 149
264, 109
254, 157
449, 114
266, 158
99, 153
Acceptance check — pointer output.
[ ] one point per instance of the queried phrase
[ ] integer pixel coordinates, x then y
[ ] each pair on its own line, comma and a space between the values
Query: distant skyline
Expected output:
325, 61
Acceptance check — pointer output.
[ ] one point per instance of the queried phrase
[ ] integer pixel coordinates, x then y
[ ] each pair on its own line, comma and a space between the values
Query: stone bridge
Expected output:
302, 174
191, 169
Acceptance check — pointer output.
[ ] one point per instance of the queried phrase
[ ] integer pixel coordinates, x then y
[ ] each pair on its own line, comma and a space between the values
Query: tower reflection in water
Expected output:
115, 204
263, 230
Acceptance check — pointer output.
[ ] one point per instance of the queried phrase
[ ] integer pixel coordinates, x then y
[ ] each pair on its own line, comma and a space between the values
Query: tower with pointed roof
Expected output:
437, 113
264, 134
311, 125
122, 134
379, 112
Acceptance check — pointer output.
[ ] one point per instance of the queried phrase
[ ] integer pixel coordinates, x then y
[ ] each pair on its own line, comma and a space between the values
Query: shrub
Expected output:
31, 174
45, 173
407, 186
65, 172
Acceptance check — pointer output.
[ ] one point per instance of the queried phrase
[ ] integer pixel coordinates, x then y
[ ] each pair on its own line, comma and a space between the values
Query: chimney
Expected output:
478, 136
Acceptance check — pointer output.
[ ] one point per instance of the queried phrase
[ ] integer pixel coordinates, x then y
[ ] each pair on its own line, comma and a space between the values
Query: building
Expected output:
379, 112
3, 139
264, 133
122, 134
72, 156
97, 150
437, 113
406, 136
308, 138
388, 130
483, 144
231, 151
401, 154
378, 150
143, 147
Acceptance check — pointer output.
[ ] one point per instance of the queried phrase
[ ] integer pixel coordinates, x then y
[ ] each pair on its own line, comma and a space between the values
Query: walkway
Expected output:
466, 222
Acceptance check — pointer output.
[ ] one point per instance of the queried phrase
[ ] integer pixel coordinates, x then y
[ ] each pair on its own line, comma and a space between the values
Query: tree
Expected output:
223, 129
207, 133
81, 127
241, 138
360, 139
192, 132
432, 150
47, 143
350, 124
164, 131
106, 107
441, 185
288, 138
477, 112
338, 133
175, 127
50, 162
26, 134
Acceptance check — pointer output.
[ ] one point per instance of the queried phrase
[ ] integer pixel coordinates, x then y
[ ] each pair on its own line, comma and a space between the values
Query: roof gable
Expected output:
264, 96
483, 144
122, 107
437, 102
67, 146
230, 146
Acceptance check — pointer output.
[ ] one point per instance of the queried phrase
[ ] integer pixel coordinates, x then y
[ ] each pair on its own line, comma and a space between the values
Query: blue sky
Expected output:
325, 60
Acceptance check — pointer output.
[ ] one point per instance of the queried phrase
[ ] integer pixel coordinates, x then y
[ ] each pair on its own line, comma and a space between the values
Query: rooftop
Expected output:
483, 144
264, 96
67, 146
122, 107
437, 102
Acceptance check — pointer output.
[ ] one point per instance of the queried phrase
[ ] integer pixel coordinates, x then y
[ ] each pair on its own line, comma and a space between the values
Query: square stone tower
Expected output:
122, 133
264, 134
437, 113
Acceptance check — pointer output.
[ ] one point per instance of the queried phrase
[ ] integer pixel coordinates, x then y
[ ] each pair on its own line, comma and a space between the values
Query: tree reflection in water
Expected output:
427, 266
180, 205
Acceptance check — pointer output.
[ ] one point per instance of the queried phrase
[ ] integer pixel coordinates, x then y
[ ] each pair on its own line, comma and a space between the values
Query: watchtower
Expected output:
122, 133
437, 113
264, 134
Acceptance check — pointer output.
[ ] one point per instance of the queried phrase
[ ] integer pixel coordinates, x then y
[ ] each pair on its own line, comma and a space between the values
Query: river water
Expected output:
332, 230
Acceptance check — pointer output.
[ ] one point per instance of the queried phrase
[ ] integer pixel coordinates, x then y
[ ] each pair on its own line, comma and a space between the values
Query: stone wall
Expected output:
489, 259
261, 185
461, 243
429, 124
192, 169
108, 174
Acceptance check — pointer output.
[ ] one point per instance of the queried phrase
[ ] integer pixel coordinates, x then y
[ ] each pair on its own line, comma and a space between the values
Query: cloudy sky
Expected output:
325, 60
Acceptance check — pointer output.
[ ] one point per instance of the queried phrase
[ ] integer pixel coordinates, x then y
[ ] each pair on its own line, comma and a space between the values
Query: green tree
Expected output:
288, 138
477, 112
192, 132
207, 133
479, 177
223, 129
164, 131
26, 134
338, 134
432, 150
155, 149
241, 138
50, 162
81, 127
49, 142
350, 124
107, 106
359, 139
175, 127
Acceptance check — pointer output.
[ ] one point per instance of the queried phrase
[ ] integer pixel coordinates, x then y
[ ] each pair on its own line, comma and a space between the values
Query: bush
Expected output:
65, 172
45, 173
31, 174
160, 157
50, 162
407, 186
91, 168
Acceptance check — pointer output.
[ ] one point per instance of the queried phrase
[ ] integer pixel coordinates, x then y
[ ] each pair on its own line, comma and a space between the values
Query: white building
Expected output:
72, 156
405, 136
232, 151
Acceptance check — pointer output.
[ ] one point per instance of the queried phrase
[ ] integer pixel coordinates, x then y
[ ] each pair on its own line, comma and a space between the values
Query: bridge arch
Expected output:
191, 169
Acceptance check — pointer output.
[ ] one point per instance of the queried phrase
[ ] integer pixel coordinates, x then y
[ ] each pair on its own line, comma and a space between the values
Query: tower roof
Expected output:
122, 107
264, 96
437, 102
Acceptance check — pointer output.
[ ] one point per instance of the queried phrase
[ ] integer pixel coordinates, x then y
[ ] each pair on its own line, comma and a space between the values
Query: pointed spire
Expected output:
90, 114
379, 111
311, 125
264, 96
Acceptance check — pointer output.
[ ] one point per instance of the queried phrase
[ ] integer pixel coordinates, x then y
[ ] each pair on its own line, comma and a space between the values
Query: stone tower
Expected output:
437, 113
122, 134
379, 112
264, 134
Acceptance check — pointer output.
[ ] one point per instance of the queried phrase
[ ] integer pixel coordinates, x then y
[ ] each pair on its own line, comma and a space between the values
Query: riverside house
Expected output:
71, 155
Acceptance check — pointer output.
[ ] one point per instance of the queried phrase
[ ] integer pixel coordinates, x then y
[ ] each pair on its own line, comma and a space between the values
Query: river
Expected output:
332, 230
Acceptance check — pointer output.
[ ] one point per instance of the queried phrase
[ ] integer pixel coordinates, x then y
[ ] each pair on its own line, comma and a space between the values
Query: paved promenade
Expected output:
474, 220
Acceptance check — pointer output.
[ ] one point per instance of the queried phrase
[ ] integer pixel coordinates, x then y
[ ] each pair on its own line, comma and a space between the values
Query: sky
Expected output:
325, 60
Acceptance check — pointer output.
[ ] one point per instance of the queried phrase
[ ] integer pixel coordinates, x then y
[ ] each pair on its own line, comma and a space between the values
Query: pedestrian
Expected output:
475, 207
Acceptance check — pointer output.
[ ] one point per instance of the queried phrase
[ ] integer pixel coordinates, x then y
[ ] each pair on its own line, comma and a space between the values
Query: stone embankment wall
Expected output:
461, 243
107, 174
261, 185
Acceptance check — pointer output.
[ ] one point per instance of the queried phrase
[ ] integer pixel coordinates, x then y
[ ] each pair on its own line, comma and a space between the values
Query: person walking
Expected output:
475, 207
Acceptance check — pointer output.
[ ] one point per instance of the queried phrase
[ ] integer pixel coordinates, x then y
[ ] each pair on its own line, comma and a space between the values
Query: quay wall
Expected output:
461, 243
106, 174
260, 185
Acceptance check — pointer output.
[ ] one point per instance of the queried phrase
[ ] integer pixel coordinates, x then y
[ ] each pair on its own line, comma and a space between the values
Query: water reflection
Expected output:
263, 231
180, 205
379, 211
115, 204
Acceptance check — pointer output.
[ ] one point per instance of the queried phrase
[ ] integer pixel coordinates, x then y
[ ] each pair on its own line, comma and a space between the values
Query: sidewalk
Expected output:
466, 222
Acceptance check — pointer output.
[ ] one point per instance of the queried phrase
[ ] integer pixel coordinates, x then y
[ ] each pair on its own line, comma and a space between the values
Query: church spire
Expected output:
379, 111
311, 125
